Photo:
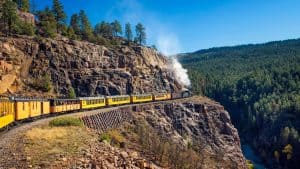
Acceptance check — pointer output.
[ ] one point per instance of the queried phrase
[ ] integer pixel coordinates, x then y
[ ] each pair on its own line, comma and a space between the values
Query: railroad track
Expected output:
79, 114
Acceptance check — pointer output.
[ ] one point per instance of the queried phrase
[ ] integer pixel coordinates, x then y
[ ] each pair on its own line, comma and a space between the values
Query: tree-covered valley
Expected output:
260, 86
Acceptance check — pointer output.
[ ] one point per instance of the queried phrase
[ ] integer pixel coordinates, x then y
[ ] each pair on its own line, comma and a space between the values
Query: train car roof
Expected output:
24, 99
65, 99
116, 96
141, 94
91, 98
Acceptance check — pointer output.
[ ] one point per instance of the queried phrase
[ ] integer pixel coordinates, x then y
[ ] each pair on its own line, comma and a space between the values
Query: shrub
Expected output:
66, 121
105, 137
26, 28
43, 83
71, 93
113, 137
116, 137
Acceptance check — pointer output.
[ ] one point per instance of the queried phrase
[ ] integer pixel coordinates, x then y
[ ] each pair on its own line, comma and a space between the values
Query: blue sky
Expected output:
176, 26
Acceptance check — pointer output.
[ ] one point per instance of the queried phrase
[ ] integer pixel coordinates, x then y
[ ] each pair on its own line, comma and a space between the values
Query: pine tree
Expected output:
8, 17
47, 23
71, 33
128, 32
59, 15
75, 24
140, 34
24, 6
86, 28
116, 28
103, 29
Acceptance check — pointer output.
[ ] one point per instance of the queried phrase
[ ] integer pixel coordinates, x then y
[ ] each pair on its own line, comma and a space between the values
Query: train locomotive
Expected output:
14, 110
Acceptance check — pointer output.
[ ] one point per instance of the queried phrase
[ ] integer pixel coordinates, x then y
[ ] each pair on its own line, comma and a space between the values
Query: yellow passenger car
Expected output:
6, 112
45, 107
64, 105
161, 96
92, 102
28, 108
141, 98
117, 100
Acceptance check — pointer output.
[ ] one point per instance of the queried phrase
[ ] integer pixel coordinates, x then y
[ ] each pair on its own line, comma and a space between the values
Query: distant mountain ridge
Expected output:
280, 42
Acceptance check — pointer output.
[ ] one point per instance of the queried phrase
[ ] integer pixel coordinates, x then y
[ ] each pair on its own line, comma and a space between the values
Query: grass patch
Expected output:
45, 146
65, 121
105, 137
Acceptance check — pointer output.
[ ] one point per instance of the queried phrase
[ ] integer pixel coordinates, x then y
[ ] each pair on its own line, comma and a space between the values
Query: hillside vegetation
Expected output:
260, 86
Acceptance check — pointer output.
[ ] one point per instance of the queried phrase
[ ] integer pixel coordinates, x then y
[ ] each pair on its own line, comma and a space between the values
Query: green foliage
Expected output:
47, 24
46, 83
71, 34
86, 28
103, 29
116, 28
140, 34
23, 5
43, 83
59, 15
258, 84
25, 28
71, 93
113, 137
75, 24
65, 121
8, 17
105, 137
128, 32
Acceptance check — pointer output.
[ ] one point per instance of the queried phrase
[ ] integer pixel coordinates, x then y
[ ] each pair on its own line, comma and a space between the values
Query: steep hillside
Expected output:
36, 66
260, 86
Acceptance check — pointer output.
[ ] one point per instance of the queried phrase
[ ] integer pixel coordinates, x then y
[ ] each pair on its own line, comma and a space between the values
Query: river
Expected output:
249, 153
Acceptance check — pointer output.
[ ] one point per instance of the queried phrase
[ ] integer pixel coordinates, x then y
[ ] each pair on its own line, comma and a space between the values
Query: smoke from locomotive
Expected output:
179, 72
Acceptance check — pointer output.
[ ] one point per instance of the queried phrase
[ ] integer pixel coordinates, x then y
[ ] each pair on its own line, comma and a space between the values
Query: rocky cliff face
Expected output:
88, 68
199, 122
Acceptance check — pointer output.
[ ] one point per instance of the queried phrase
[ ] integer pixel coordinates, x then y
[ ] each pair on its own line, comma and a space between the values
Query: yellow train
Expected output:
19, 109
7, 112
141, 98
92, 102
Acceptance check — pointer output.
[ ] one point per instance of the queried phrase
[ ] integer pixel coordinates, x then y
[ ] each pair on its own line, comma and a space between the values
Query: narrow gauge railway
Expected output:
17, 110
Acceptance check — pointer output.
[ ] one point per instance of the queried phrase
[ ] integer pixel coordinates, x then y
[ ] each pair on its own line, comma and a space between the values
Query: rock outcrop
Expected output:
26, 17
88, 68
202, 123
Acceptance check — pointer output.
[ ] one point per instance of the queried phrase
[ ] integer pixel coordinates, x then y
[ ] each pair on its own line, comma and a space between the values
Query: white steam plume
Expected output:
180, 73
168, 44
